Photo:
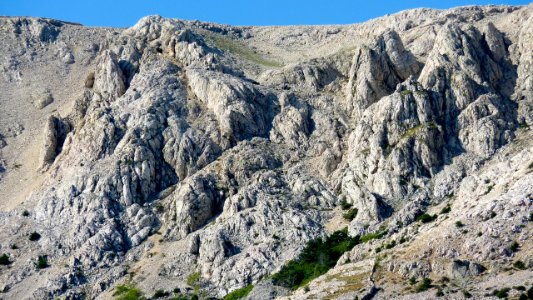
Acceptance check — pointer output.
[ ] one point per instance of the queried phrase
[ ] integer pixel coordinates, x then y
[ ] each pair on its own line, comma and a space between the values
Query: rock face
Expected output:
178, 150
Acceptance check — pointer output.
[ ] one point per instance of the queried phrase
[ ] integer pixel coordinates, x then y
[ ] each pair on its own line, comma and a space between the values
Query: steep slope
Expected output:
200, 158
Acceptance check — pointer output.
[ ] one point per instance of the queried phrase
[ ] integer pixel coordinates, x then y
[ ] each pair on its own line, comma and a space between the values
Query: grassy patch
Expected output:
373, 236
240, 49
240, 293
413, 131
317, 258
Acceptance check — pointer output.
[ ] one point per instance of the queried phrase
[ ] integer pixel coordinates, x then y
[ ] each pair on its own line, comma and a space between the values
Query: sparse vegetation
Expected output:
412, 280
25, 213
372, 236
34, 236
317, 258
445, 210
42, 262
424, 285
350, 214
519, 265
4, 260
240, 49
128, 292
160, 294
390, 245
503, 293
240, 293
426, 218
345, 205
466, 294
13, 247
514, 246
459, 224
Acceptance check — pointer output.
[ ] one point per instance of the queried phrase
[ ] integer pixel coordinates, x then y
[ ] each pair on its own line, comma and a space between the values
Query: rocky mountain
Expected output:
196, 160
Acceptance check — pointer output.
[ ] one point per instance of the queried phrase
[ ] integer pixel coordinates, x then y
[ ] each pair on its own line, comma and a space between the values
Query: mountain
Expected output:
391, 159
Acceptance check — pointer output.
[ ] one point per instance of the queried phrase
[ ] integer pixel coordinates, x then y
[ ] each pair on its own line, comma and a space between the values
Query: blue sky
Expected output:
238, 12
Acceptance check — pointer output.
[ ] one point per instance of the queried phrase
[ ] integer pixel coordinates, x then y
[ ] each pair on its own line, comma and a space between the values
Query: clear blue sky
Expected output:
237, 12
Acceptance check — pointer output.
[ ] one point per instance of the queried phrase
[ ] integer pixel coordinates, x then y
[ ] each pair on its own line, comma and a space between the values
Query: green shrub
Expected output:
390, 245
318, 256
13, 247
424, 285
42, 262
345, 205
445, 210
467, 294
350, 215
459, 224
4, 259
530, 293
439, 293
523, 297
425, 218
412, 280
514, 246
240, 293
531, 217
34, 236
25, 213
160, 294
503, 293
519, 265
128, 292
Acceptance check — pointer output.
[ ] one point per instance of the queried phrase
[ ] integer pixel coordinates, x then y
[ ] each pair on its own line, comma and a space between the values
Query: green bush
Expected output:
25, 213
445, 210
514, 246
519, 265
345, 205
4, 260
425, 218
350, 215
128, 292
467, 294
240, 293
503, 293
459, 224
160, 294
13, 247
424, 285
412, 280
42, 262
390, 245
34, 236
530, 293
318, 256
